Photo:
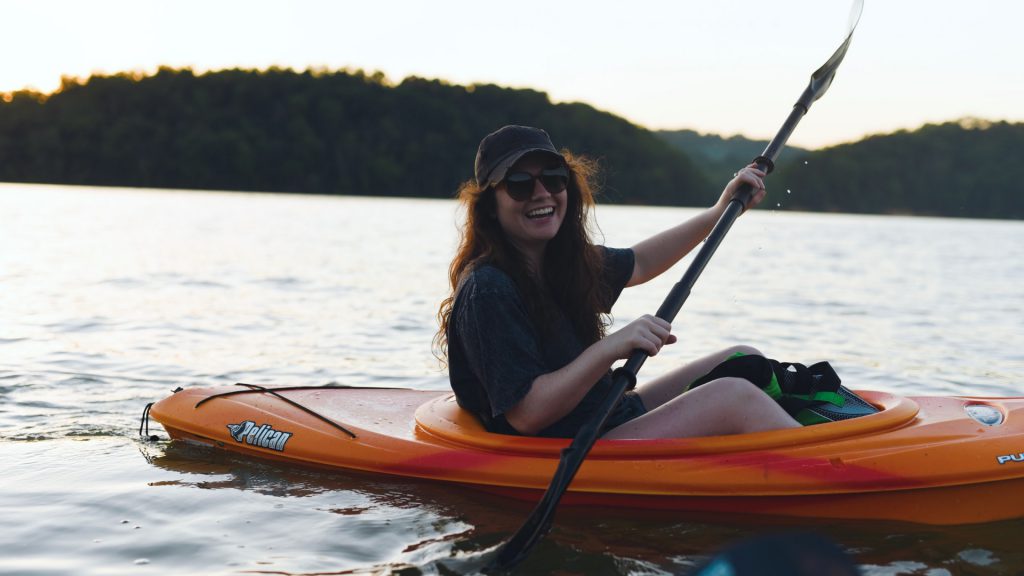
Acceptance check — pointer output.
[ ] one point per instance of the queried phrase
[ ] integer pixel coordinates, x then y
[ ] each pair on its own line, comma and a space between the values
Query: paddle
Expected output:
539, 522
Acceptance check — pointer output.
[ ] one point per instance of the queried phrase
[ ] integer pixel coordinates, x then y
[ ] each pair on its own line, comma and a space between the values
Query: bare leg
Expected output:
723, 406
671, 384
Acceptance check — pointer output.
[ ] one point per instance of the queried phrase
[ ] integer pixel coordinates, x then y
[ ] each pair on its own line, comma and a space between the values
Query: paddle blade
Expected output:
822, 77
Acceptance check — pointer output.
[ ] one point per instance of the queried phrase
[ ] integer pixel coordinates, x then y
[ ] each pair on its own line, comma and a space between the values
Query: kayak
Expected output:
930, 460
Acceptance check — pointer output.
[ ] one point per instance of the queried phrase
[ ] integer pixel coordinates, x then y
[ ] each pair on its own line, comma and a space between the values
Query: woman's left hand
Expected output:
747, 175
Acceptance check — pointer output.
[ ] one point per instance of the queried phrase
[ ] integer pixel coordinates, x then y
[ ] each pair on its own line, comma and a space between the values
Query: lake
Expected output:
110, 298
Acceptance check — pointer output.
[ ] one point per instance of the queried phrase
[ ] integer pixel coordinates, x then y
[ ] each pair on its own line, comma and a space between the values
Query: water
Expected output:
110, 298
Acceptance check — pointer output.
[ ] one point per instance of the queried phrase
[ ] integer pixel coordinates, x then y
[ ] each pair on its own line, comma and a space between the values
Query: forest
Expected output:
963, 168
350, 132
310, 132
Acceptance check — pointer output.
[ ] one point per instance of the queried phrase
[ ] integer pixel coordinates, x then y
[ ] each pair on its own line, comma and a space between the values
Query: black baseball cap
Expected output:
502, 148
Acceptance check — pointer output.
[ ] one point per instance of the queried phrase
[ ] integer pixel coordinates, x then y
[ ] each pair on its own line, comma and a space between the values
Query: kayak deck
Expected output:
917, 459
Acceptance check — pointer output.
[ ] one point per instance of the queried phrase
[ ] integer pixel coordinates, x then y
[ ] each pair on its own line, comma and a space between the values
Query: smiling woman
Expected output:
523, 330
531, 203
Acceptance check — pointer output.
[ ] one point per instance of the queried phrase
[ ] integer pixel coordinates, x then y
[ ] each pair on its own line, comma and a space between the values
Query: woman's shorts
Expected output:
628, 408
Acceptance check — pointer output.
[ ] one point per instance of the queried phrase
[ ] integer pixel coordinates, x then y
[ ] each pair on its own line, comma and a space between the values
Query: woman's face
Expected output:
530, 223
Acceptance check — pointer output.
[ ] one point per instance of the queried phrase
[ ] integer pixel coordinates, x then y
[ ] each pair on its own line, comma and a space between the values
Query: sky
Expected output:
725, 67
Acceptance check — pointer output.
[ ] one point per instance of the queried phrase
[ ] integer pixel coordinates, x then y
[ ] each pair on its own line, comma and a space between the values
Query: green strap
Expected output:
831, 397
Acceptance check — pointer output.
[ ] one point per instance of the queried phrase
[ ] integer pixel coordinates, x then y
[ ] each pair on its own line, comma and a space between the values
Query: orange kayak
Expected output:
931, 460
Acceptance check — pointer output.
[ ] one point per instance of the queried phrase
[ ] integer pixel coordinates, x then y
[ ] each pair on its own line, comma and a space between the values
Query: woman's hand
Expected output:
747, 175
647, 333
660, 252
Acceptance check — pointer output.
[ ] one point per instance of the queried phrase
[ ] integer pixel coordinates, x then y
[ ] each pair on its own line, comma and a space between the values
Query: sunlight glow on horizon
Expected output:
681, 65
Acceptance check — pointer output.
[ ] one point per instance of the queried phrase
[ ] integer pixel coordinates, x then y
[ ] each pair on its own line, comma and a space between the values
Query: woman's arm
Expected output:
555, 394
660, 252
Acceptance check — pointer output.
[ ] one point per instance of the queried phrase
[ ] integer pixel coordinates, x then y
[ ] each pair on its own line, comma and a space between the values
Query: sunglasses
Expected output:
519, 185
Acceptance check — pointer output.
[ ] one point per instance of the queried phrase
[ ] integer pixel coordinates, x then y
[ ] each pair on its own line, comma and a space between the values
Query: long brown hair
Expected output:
572, 264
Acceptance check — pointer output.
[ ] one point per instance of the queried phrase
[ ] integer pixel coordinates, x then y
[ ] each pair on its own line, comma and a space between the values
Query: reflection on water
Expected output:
163, 508
112, 298
375, 513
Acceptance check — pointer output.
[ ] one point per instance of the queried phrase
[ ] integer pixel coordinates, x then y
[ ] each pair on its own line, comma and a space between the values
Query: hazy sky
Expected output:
726, 66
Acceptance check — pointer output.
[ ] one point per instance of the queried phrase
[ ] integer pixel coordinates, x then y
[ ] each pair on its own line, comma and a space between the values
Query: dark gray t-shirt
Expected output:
495, 352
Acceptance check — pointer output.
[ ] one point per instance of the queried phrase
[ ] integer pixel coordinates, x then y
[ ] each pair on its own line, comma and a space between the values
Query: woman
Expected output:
523, 331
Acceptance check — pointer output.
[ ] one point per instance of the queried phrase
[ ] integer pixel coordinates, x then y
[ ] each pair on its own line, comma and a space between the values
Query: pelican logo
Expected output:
1010, 458
263, 435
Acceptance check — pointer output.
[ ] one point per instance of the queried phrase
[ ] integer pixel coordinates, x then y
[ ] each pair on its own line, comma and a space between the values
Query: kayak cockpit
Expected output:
443, 418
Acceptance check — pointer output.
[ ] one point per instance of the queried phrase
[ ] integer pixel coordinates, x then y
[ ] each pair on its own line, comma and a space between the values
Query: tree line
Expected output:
335, 132
349, 132
965, 168
720, 156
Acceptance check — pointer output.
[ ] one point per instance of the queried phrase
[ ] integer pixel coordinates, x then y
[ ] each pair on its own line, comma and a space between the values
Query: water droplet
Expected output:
141, 561
778, 205
978, 556
788, 191
124, 521
805, 162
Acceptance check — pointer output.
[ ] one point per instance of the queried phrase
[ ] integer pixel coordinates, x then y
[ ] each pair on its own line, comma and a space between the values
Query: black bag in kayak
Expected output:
810, 394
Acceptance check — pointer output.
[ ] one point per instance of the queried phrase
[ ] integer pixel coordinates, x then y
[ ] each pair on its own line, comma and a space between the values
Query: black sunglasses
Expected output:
520, 184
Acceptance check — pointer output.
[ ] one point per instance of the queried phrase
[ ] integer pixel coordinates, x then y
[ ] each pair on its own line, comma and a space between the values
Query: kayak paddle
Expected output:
539, 522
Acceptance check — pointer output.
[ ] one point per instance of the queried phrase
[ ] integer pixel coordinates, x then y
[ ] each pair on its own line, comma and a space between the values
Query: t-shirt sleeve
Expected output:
618, 269
499, 341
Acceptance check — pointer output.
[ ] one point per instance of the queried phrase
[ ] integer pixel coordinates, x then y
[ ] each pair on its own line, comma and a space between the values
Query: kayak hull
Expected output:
918, 460
951, 505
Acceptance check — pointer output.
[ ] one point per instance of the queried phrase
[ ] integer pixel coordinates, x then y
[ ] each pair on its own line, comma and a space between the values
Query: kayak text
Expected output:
263, 435
1011, 458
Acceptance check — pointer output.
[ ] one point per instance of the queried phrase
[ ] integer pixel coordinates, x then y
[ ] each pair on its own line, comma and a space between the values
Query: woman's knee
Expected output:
739, 398
747, 407
736, 389
741, 349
